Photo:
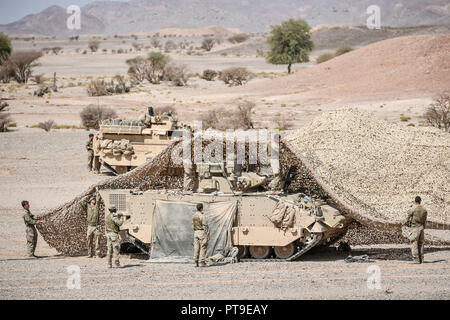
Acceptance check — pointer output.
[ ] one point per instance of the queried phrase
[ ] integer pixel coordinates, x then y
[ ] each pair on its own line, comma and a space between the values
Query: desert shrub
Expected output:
5, 119
236, 76
56, 50
22, 64
156, 43
208, 44
137, 46
92, 115
97, 88
6, 73
438, 113
47, 125
151, 68
5, 47
169, 46
238, 38
283, 123
209, 75
117, 85
239, 118
167, 109
177, 74
39, 78
342, 50
94, 45
324, 57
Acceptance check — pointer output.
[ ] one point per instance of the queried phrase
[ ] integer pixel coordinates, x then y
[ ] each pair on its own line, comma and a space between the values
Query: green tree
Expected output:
290, 43
5, 47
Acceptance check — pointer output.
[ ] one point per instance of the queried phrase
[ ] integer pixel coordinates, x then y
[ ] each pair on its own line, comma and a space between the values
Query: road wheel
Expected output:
243, 252
285, 252
260, 252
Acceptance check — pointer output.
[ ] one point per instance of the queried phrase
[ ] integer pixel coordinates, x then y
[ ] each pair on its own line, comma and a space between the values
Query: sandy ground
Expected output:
322, 275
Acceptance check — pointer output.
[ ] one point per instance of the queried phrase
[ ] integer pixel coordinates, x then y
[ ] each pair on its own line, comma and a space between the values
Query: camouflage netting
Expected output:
369, 169
373, 169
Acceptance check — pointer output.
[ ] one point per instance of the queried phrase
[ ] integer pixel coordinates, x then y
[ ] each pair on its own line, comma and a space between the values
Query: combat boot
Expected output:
196, 263
202, 264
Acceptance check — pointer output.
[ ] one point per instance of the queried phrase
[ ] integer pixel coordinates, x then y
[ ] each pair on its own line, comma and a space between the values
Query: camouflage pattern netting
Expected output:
373, 169
368, 168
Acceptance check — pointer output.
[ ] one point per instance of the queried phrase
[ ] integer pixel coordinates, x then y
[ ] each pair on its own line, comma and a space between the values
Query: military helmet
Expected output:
112, 208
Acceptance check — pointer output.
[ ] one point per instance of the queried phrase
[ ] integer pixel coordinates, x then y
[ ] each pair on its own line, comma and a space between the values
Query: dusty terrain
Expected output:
49, 169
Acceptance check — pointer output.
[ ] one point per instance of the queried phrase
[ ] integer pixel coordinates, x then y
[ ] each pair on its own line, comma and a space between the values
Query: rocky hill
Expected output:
111, 17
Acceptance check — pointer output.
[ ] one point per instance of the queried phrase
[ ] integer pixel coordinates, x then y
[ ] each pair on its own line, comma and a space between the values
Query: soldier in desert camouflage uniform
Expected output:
31, 232
90, 150
201, 236
416, 219
113, 221
93, 232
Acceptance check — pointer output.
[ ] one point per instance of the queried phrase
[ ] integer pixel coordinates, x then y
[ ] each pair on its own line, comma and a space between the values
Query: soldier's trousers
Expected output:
32, 237
113, 245
93, 238
417, 246
200, 245
90, 159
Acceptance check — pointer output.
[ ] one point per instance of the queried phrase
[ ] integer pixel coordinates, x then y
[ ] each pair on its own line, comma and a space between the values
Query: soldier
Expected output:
146, 119
90, 150
113, 222
201, 236
31, 231
416, 219
93, 232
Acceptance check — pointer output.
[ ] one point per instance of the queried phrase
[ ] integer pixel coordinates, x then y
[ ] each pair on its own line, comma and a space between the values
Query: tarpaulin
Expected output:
173, 235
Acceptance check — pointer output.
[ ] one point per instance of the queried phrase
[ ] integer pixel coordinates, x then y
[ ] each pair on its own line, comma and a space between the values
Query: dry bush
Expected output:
283, 123
209, 75
236, 76
324, 57
438, 113
151, 68
47, 125
208, 44
167, 109
178, 74
245, 110
97, 88
137, 46
92, 115
5, 118
6, 73
39, 78
94, 45
239, 38
240, 118
156, 43
342, 50
22, 64
170, 46
56, 50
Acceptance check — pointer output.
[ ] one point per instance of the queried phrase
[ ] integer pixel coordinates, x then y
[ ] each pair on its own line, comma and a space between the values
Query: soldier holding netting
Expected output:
201, 236
93, 229
416, 220
31, 232
113, 222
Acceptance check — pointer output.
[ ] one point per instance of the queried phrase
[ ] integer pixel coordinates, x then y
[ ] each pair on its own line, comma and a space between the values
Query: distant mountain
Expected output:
112, 17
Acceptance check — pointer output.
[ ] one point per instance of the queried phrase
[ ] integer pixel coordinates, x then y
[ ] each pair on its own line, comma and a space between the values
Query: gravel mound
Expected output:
373, 169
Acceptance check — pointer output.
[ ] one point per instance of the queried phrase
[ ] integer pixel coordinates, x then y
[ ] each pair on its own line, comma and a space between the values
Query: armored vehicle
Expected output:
122, 145
260, 224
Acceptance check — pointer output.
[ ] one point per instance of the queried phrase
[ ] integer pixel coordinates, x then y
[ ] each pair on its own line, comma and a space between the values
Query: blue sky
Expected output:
12, 10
